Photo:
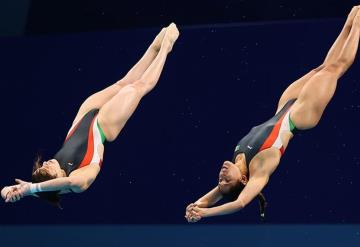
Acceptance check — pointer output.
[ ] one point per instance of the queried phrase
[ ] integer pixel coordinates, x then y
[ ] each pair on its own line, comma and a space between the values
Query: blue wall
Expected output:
218, 82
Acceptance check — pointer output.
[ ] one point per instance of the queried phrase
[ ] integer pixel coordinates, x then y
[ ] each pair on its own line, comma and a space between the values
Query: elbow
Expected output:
77, 185
240, 204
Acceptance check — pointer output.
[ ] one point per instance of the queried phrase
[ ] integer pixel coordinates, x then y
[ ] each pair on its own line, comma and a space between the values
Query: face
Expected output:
52, 168
229, 176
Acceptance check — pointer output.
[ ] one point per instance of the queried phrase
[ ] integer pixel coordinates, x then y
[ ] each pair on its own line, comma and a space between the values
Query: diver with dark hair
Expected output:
258, 154
101, 117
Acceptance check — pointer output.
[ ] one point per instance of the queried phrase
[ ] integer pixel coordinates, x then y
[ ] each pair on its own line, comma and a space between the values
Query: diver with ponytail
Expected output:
258, 154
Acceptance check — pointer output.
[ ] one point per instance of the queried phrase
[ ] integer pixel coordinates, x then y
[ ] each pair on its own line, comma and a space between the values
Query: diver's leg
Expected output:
114, 114
97, 100
318, 91
294, 89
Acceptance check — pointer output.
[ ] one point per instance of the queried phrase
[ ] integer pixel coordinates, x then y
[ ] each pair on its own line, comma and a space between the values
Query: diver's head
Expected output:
46, 171
231, 179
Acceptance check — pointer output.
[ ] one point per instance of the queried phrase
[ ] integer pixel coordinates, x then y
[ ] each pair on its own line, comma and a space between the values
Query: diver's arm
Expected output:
251, 190
75, 183
24, 188
212, 197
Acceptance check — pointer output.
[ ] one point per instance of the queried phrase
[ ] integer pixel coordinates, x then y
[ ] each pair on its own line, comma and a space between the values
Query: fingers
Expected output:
190, 206
8, 197
10, 193
17, 197
19, 181
4, 192
193, 213
193, 218
14, 194
14, 197
196, 211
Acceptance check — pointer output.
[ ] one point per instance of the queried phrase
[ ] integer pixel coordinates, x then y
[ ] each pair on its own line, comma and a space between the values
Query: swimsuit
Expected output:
80, 146
266, 135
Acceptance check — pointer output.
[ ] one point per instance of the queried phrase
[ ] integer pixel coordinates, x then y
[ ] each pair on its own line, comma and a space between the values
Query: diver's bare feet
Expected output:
156, 44
356, 22
171, 35
352, 14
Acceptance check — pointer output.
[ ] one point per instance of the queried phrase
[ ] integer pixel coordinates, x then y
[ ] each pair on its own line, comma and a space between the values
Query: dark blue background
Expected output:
218, 82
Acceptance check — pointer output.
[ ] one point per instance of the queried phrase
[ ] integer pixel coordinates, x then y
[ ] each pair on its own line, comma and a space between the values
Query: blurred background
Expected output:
225, 74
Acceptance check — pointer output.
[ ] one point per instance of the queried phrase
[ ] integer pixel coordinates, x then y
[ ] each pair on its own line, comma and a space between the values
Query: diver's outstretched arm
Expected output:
23, 188
251, 190
75, 183
212, 197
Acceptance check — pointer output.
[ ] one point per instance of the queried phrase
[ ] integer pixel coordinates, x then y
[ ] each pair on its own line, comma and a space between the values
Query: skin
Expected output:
313, 92
116, 103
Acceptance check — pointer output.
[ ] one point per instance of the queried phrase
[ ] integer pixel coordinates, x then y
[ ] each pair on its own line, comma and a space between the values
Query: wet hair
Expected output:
234, 193
39, 176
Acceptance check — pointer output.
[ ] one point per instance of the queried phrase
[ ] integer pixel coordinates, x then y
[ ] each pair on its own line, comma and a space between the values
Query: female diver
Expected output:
101, 117
258, 154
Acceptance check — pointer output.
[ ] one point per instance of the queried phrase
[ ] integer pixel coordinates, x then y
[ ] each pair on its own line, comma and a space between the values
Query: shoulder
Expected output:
265, 162
85, 171
82, 178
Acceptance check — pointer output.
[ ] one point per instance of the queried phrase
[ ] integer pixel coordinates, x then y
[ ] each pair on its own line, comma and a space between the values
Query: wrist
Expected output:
209, 212
201, 204
34, 188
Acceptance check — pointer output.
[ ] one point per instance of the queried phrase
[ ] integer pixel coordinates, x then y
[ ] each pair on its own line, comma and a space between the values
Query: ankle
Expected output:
155, 47
166, 45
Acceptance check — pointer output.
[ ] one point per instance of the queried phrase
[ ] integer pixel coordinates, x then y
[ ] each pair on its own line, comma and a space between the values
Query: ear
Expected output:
243, 179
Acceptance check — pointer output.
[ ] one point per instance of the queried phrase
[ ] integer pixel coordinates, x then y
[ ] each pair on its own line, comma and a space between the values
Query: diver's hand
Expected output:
18, 191
188, 210
8, 192
23, 187
195, 213
5, 192
199, 213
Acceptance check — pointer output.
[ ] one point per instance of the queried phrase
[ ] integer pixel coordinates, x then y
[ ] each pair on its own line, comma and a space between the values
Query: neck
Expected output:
63, 173
240, 162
